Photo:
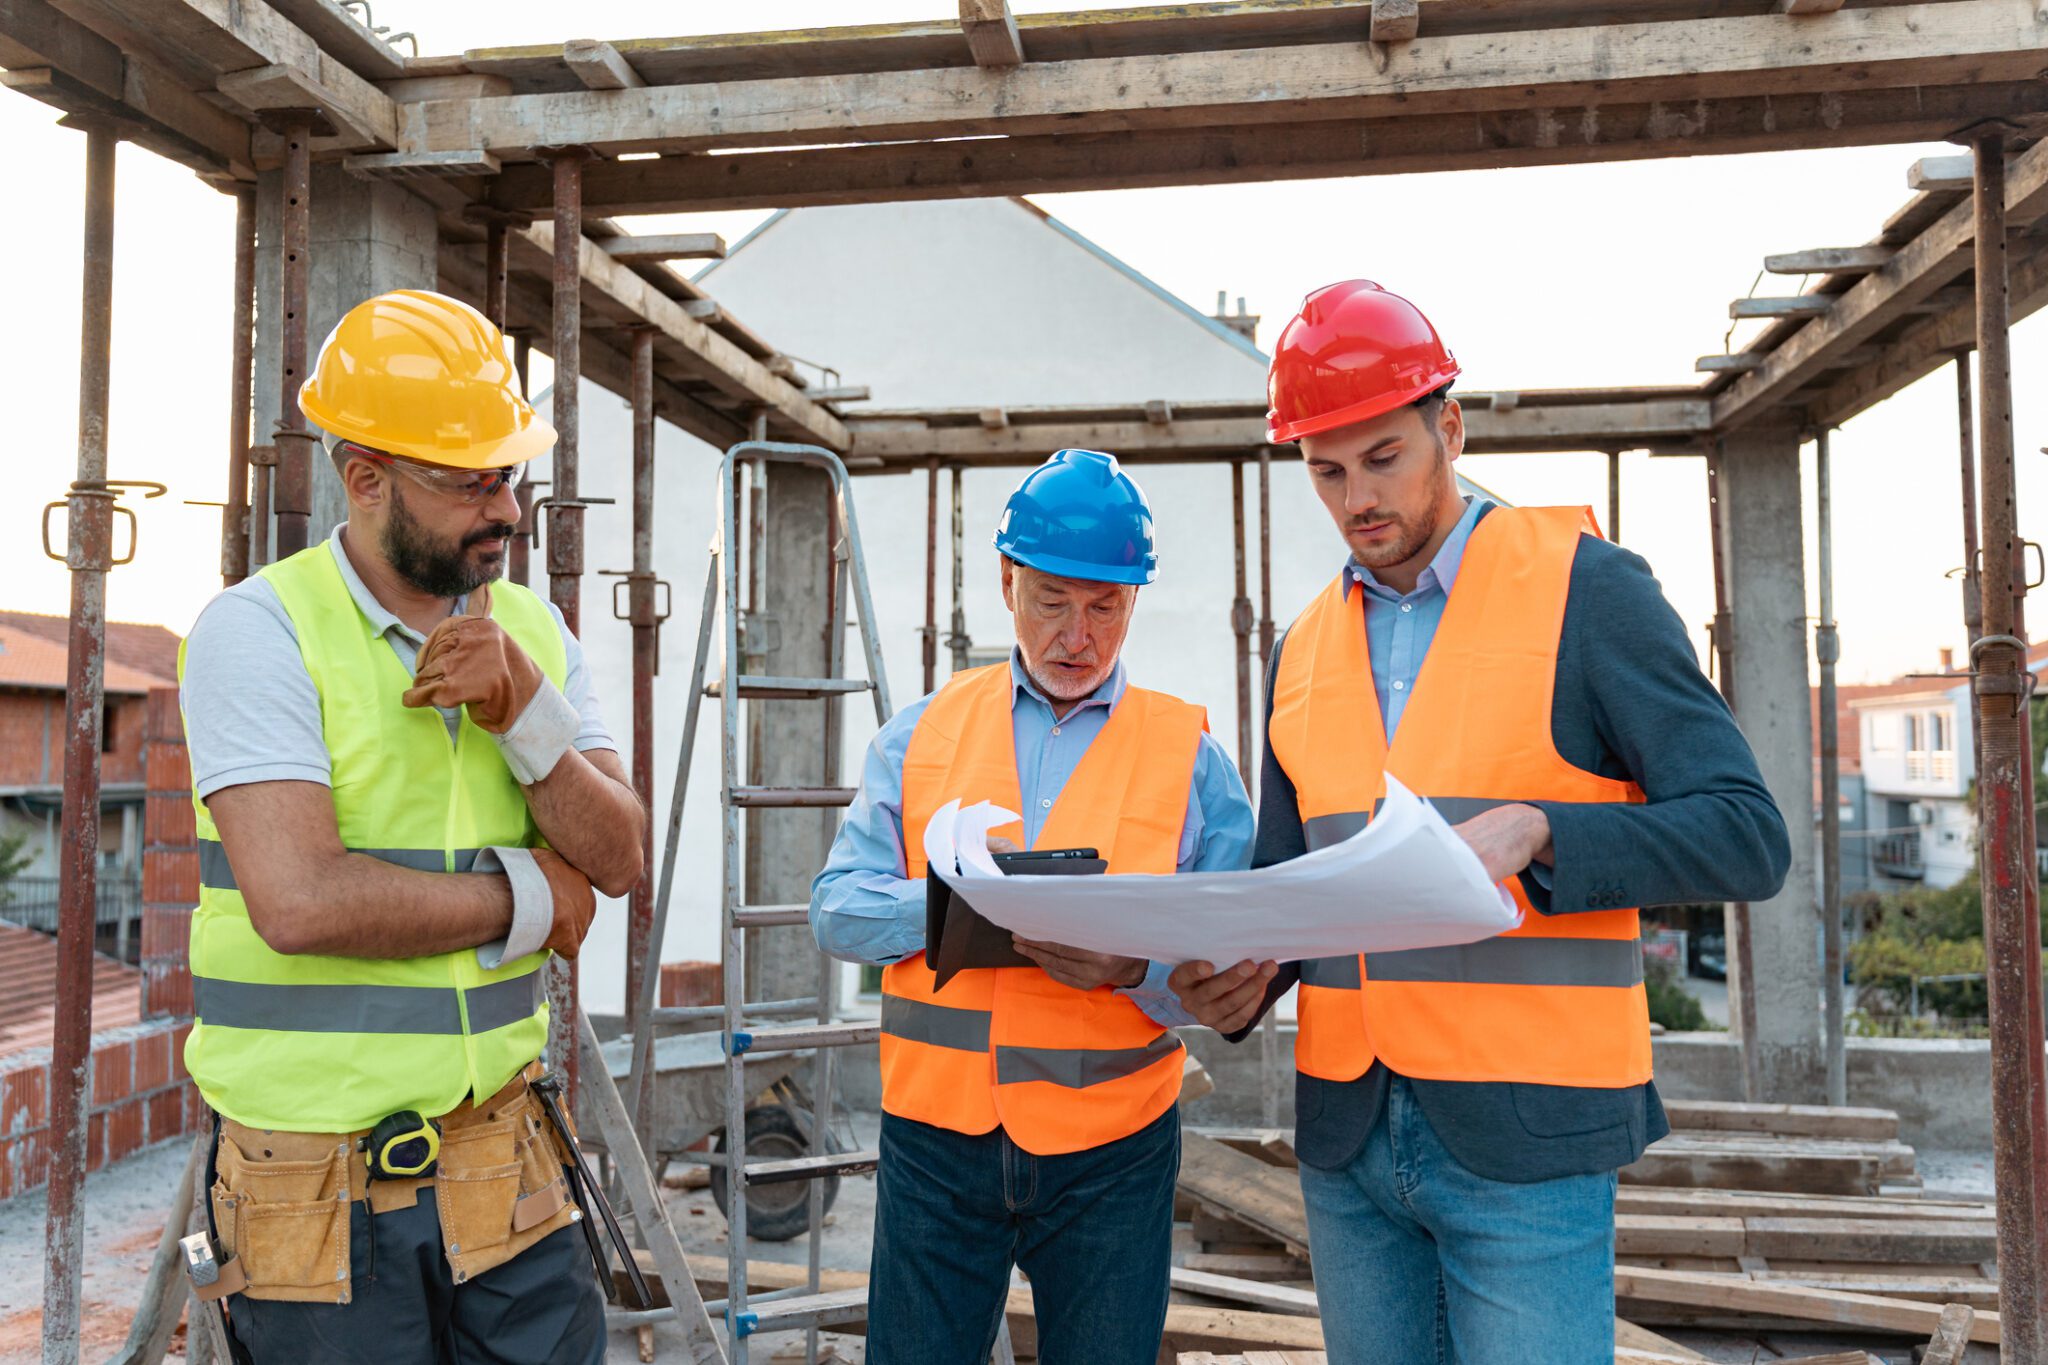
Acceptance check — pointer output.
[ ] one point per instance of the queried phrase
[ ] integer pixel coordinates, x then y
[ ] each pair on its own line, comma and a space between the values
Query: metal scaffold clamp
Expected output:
90, 547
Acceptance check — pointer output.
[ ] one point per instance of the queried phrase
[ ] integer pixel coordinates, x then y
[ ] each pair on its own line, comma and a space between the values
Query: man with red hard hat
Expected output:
1461, 1112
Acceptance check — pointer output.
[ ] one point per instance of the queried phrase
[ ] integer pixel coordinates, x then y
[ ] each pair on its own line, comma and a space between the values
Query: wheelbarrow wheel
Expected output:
781, 1210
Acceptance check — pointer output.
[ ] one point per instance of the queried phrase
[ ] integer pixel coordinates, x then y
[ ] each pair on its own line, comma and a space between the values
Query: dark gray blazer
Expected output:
1631, 703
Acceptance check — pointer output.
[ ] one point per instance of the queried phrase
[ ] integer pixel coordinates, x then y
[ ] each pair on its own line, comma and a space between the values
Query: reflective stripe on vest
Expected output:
1559, 1000
1060, 1070
311, 1043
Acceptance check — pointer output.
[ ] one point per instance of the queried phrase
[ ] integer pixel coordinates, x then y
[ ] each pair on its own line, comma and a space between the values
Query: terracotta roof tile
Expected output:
28, 982
148, 649
31, 660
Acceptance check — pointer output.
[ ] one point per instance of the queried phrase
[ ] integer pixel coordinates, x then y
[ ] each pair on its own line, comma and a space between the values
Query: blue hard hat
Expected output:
1079, 515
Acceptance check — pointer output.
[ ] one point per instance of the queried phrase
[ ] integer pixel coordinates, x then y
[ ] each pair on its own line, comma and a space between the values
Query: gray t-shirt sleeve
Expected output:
592, 733
252, 713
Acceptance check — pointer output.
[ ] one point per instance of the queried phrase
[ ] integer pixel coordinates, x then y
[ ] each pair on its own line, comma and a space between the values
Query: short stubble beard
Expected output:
428, 564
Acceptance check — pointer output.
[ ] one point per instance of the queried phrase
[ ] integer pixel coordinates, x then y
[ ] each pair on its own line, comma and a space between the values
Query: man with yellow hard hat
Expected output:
405, 797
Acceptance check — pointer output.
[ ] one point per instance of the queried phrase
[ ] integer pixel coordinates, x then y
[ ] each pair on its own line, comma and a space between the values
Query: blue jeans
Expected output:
1093, 1230
1419, 1260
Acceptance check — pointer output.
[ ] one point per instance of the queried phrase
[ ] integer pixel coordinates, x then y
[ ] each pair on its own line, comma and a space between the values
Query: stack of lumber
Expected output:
1862, 1252
1795, 1148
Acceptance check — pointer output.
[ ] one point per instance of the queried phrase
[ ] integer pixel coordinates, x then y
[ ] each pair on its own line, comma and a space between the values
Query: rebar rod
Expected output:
89, 555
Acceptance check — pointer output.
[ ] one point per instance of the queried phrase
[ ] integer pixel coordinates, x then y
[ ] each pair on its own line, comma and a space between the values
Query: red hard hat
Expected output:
1353, 352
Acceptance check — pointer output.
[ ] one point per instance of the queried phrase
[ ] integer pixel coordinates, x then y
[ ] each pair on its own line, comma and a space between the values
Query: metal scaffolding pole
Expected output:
519, 555
646, 637
1973, 570
957, 641
565, 520
496, 273
931, 576
1271, 1072
1742, 980
292, 489
88, 555
1827, 648
2005, 818
234, 516
1614, 496
1241, 623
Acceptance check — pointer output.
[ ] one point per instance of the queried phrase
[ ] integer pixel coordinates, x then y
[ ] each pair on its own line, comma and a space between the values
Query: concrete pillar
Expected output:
789, 846
368, 236
1767, 596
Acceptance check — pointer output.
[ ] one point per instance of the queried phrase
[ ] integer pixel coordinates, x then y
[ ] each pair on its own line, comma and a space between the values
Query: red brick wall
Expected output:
32, 738
139, 1094
170, 861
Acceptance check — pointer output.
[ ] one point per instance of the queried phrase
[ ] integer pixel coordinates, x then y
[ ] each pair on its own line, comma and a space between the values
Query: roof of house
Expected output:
1850, 698
28, 977
33, 649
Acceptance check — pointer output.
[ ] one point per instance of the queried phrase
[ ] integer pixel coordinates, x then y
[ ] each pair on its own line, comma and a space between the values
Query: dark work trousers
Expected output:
1093, 1230
543, 1307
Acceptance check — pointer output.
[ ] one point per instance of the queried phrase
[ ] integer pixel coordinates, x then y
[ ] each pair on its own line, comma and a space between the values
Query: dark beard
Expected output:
432, 566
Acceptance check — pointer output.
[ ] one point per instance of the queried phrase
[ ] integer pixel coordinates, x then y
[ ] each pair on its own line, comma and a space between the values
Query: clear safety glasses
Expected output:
469, 486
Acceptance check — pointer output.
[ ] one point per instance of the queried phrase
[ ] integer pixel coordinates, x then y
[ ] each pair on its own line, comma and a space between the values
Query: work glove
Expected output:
469, 661
552, 904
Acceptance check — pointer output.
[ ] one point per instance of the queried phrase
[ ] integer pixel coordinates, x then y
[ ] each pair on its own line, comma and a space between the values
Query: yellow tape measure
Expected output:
404, 1146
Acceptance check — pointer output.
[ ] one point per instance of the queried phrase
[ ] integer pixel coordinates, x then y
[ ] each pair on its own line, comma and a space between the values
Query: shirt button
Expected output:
1055, 729
1407, 606
1045, 805
1399, 685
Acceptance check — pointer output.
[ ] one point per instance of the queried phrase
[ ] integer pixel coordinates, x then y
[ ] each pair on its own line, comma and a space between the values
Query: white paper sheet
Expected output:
1404, 881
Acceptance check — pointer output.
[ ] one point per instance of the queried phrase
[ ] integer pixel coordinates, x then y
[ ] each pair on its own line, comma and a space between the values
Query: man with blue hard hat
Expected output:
1029, 1115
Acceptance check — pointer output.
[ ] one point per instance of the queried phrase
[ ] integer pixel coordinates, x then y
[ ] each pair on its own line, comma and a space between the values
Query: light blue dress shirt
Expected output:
1400, 627
865, 909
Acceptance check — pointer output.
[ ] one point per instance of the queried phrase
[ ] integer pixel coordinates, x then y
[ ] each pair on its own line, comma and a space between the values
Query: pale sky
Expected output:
1574, 276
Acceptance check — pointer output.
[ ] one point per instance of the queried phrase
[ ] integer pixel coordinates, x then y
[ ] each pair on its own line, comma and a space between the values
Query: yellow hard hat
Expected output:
424, 376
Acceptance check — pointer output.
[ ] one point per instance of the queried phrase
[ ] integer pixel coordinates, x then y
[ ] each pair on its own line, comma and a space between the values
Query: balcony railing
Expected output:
1931, 765
32, 901
1898, 855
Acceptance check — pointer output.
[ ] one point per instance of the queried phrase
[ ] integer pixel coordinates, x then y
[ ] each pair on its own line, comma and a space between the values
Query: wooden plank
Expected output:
1821, 1173
1797, 306
1637, 1235
1244, 1189
341, 35
1277, 1298
732, 369
1646, 1199
278, 87
1630, 1337
1920, 44
1941, 1289
1730, 1293
1784, 1120
1889, 1240
1808, 6
1266, 1268
1395, 21
599, 65
1923, 266
1942, 175
1830, 260
991, 31
672, 246
1738, 362
1951, 1336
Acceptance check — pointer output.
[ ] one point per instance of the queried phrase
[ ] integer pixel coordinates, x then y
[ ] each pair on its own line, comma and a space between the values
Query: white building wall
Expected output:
974, 303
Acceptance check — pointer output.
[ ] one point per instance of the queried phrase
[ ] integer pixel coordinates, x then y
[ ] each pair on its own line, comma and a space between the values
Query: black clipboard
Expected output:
956, 937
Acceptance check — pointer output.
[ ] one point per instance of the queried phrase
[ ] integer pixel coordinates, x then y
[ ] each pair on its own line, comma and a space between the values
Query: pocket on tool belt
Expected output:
285, 1220
543, 1189
478, 1185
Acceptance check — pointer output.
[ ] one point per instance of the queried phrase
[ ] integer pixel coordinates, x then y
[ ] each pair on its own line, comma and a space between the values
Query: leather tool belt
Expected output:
281, 1201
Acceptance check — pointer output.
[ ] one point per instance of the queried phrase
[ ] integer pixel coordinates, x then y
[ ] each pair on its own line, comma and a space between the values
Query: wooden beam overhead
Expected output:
1830, 260
1395, 21
1048, 163
1921, 45
599, 65
1921, 268
675, 246
1797, 306
1808, 6
1740, 362
991, 33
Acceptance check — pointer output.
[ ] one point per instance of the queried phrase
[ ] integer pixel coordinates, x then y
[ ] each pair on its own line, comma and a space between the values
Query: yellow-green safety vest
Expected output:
317, 1044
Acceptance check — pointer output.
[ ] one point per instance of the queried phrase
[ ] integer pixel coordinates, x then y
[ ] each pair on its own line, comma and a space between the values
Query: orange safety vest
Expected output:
1061, 1070
1558, 1001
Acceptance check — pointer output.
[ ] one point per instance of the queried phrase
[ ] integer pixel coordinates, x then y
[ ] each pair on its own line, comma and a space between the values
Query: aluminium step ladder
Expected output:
806, 1306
